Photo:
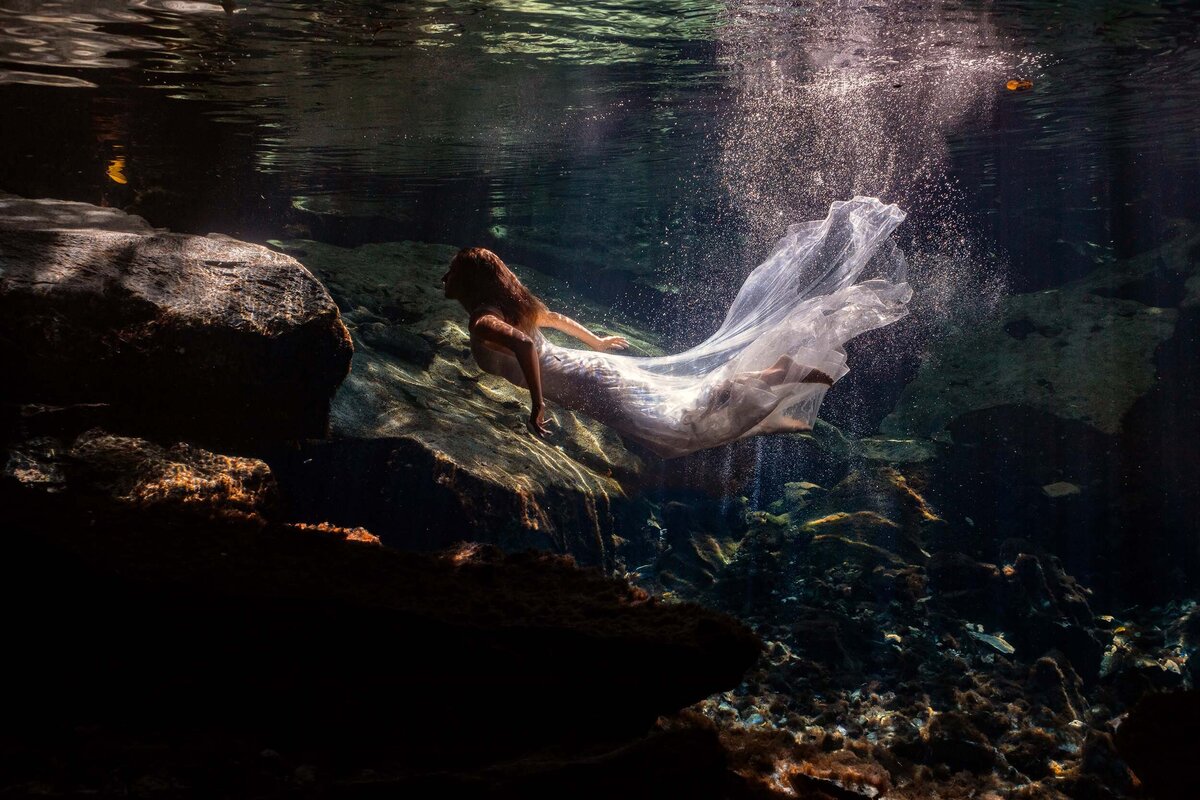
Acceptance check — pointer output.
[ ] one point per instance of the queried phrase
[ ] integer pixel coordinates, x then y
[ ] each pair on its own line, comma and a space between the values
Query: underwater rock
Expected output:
698, 542
896, 450
428, 450
124, 477
23, 214
182, 335
418, 498
1083, 351
1160, 740
1030, 750
1060, 489
1039, 605
874, 508
396, 341
198, 612
181, 480
797, 496
1055, 684
955, 742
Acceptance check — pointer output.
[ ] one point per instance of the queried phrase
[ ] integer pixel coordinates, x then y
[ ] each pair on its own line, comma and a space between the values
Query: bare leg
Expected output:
789, 425
778, 373
782, 371
775, 375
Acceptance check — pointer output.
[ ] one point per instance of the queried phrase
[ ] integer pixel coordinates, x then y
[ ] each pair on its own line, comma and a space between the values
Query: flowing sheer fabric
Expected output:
824, 283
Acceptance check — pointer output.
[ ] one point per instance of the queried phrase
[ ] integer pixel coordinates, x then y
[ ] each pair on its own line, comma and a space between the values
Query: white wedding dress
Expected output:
824, 283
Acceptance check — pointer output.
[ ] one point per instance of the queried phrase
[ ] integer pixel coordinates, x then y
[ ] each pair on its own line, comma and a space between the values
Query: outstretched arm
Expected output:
495, 332
561, 322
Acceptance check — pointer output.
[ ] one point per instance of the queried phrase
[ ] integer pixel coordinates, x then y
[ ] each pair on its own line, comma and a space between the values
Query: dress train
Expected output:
825, 282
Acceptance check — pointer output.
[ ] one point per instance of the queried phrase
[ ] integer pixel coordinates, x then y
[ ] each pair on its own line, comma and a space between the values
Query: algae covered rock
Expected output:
429, 450
185, 335
1083, 351
144, 475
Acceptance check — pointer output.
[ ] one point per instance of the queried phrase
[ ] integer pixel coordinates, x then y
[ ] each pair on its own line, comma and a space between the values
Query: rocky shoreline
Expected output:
313, 563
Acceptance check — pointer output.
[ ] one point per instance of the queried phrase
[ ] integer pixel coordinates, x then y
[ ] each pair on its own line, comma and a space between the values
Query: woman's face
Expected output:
451, 281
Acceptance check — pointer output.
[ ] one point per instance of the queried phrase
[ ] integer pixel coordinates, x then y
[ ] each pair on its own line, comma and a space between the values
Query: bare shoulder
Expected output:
489, 327
485, 311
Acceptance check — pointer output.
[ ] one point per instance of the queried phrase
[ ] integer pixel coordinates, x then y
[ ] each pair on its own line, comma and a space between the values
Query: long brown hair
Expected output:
487, 281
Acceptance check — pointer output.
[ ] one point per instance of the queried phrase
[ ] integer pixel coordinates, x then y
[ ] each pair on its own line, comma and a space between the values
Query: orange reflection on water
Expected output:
116, 170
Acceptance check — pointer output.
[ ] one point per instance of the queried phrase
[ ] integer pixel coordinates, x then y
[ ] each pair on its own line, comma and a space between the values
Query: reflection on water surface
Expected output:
631, 138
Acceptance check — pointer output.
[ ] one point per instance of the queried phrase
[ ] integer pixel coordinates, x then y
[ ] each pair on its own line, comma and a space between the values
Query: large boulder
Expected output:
183, 335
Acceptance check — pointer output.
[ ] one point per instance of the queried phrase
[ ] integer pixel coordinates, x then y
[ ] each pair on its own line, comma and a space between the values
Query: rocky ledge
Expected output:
162, 596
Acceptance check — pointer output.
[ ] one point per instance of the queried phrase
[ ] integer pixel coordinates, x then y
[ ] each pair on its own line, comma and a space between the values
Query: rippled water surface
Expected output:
616, 140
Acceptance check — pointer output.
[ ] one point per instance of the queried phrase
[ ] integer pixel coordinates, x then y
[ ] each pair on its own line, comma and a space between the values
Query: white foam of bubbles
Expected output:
843, 97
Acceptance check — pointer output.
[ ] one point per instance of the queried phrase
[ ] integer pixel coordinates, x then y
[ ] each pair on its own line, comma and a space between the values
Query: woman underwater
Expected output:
765, 370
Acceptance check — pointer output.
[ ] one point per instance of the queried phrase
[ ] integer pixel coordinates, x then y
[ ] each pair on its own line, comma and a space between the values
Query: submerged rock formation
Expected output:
1036, 416
202, 613
1083, 351
186, 335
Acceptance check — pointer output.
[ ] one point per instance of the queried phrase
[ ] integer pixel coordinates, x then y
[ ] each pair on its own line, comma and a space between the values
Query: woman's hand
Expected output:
537, 421
611, 343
